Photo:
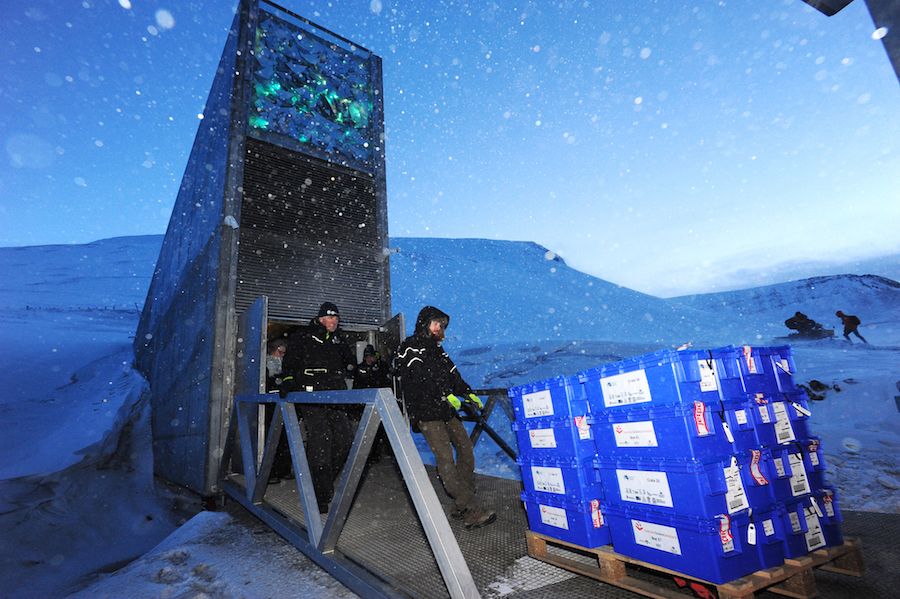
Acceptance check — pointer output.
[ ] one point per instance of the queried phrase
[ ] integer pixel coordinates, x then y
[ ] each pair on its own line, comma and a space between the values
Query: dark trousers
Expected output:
855, 332
457, 476
329, 436
281, 466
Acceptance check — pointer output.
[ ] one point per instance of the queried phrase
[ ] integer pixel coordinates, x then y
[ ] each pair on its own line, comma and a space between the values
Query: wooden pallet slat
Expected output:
795, 578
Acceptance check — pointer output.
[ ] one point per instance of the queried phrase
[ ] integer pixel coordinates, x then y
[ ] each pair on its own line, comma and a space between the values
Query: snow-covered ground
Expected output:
77, 497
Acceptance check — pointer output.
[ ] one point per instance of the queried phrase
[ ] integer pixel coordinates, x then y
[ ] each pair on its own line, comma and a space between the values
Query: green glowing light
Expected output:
257, 122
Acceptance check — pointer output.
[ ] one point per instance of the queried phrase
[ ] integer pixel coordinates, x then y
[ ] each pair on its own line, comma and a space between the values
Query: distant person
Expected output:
372, 372
802, 323
275, 352
434, 390
851, 325
319, 359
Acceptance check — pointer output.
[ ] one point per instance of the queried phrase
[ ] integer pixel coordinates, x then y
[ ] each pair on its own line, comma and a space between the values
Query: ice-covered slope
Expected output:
759, 313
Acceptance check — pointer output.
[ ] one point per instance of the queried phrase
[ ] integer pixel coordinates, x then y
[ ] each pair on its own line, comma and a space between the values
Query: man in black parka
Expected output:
319, 359
433, 391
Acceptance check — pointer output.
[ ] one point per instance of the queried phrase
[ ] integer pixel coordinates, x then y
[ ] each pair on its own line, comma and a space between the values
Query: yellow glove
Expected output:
454, 401
476, 400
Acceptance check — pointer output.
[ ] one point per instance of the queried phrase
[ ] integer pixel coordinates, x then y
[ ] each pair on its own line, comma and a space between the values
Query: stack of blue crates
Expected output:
557, 455
704, 458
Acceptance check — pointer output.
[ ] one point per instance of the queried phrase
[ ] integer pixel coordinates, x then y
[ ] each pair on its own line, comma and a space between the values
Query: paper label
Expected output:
542, 438
596, 514
554, 516
829, 505
795, 522
748, 357
735, 497
751, 534
779, 467
584, 429
656, 536
641, 486
740, 416
625, 389
537, 404
755, 472
548, 479
700, 419
799, 482
813, 452
635, 434
768, 527
708, 379
814, 535
784, 432
764, 414
785, 366
725, 533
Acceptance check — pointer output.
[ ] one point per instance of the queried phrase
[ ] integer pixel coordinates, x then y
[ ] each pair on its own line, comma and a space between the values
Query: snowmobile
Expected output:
805, 329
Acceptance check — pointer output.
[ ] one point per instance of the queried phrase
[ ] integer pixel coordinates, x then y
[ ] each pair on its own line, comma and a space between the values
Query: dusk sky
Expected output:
657, 144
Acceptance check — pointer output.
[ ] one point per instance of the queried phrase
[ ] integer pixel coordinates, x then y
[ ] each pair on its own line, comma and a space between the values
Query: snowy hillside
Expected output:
75, 428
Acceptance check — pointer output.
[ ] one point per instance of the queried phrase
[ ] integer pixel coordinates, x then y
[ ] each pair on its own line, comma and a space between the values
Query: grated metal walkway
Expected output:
383, 534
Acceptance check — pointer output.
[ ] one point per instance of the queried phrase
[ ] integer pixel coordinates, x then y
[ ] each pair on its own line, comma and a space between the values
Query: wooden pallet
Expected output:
795, 578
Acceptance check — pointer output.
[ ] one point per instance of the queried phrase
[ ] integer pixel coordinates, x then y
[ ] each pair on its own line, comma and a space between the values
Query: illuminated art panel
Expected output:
312, 95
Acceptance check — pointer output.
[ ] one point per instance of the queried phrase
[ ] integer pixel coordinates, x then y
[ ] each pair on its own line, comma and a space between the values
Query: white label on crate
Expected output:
554, 516
548, 479
625, 389
779, 467
542, 438
708, 379
828, 500
814, 536
813, 449
751, 534
537, 404
784, 432
725, 533
635, 434
764, 414
584, 429
648, 487
596, 514
740, 416
799, 482
727, 429
801, 411
795, 521
735, 497
700, 419
656, 536
768, 527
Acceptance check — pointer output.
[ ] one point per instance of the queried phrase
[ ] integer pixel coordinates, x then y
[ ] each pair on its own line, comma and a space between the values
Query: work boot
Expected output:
476, 517
458, 513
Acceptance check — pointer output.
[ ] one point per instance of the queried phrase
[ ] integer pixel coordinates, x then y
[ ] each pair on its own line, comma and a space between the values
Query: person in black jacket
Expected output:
851, 325
319, 359
434, 390
372, 372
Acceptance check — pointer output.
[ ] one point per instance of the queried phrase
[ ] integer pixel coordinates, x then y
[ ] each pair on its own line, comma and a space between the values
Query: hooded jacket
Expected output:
428, 374
317, 358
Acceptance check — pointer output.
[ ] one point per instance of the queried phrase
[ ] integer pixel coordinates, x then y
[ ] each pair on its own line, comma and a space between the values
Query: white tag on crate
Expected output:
727, 430
554, 516
596, 514
708, 379
799, 482
800, 409
795, 522
768, 527
584, 429
635, 434
815, 505
764, 414
740, 416
748, 357
735, 496
656, 536
542, 438
755, 472
815, 538
625, 389
537, 404
828, 500
649, 487
779, 467
700, 419
751, 534
784, 432
548, 479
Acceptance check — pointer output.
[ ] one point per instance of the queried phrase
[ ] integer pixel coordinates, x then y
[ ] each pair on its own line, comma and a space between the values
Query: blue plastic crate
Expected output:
573, 478
813, 462
664, 377
710, 549
790, 480
557, 397
580, 522
767, 369
684, 487
768, 535
695, 430
542, 438
812, 522
779, 419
